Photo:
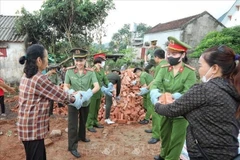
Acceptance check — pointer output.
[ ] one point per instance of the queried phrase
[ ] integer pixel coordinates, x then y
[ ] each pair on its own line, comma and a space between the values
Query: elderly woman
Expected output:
212, 107
35, 91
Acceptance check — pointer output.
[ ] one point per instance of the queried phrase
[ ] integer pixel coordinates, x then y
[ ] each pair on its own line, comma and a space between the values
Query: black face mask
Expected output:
173, 61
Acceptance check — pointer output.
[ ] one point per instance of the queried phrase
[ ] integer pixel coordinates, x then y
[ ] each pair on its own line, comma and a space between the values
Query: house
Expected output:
137, 44
11, 49
190, 30
232, 17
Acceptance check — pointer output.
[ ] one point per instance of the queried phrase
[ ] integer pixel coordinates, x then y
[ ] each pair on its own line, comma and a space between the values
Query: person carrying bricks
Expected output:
54, 77
176, 78
150, 63
159, 58
99, 63
145, 81
114, 78
79, 78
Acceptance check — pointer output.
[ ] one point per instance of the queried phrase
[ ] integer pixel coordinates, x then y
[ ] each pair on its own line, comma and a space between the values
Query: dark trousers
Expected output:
2, 104
76, 125
51, 104
108, 106
35, 150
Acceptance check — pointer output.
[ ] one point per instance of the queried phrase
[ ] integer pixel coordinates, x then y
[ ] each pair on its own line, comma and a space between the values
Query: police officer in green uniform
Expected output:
55, 79
114, 78
159, 58
145, 81
99, 62
175, 78
150, 53
79, 79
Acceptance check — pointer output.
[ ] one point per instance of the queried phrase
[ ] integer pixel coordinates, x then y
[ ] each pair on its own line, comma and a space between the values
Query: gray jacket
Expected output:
210, 109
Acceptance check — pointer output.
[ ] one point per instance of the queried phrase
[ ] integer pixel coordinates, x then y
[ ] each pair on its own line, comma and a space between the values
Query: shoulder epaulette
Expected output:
71, 67
190, 67
165, 65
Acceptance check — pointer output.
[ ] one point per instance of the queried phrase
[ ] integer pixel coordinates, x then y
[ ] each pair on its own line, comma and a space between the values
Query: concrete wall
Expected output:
195, 31
10, 69
161, 37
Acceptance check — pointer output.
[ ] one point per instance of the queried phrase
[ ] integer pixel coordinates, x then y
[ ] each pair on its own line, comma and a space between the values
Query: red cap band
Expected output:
177, 47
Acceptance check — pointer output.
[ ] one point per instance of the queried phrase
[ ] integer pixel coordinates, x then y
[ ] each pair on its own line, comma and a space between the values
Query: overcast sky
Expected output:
150, 12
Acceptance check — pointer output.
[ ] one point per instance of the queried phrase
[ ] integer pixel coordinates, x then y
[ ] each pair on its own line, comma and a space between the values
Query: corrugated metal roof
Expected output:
7, 29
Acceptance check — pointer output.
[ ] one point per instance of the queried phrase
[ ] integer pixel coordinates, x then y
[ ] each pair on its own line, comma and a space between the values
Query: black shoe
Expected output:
98, 126
153, 141
143, 121
84, 140
75, 153
91, 130
158, 157
148, 130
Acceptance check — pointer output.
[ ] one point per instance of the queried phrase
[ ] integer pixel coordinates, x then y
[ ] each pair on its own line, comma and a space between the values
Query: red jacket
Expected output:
1, 90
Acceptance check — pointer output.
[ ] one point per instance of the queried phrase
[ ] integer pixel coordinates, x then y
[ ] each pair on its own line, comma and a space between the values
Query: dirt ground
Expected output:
113, 142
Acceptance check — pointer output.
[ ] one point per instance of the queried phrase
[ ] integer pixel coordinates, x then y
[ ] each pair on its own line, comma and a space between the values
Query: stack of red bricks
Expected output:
129, 109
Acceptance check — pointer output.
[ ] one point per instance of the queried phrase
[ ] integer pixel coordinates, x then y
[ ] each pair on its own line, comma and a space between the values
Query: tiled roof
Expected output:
171, 25
7, 29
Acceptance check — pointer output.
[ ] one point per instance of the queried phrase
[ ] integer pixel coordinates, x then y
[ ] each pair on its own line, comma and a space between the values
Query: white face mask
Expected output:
102, 64
204, 78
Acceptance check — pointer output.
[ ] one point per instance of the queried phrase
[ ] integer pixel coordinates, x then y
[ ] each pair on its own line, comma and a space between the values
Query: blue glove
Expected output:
86, 95
143, 91
70, 91
78, 101
106, 91
110, 86
155, 94
176, 95
134, 82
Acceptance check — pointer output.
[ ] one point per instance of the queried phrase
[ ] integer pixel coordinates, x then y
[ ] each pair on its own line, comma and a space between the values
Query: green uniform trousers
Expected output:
148, 106
173, 135
76, 125
156, 122
93, 112
108, 106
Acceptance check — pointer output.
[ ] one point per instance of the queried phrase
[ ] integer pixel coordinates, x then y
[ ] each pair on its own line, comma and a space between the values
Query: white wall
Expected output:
235, 20
162, 37
10, 69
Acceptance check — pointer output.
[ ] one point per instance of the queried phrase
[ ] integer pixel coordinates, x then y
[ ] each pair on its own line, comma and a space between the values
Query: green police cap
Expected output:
153, 42
79, 53
177, 45
116, 69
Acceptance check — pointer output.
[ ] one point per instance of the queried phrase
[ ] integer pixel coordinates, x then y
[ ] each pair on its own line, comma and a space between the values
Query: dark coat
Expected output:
210, 109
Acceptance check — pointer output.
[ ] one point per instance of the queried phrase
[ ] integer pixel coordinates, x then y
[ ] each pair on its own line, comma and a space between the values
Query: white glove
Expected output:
134, 82
118, 98
143, 91
69, 91
145, 64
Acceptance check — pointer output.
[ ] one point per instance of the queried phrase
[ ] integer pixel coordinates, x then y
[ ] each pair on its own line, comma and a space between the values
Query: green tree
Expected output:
141, 29
60, 21
228, 36
123, 37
